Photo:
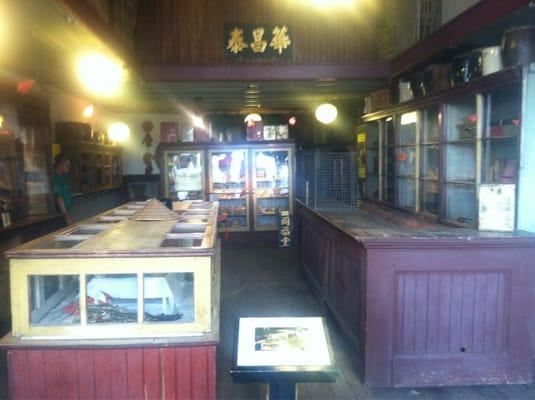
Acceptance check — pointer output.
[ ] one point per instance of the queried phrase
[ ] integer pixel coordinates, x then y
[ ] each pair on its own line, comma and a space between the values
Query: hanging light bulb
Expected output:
118, 132
251, 118
100, 74
88, 111
326, 113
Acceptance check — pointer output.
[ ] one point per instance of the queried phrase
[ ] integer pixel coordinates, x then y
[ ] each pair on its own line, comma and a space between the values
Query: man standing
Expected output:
62, 193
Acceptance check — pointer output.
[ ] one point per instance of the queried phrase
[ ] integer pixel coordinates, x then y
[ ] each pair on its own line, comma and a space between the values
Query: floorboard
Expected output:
268, 282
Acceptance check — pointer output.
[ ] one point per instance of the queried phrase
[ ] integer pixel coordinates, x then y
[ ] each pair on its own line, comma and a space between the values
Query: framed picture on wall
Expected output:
169, 132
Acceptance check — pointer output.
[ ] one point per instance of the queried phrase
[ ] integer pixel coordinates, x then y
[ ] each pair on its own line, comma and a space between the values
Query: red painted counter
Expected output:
120, 373
424, 304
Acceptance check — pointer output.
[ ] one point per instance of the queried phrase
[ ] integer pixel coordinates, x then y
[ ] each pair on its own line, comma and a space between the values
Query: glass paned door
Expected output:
407, 161
372, 160
501, 134
184, 177
228, 185
429, 161
460, 146
387, 150
271, 177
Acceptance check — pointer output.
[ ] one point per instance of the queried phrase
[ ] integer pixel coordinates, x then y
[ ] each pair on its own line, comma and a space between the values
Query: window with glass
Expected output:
429, 160
372, 160
184, 175
54, 300
271, 186
460, 161
406, 152
24, 164
228, 183
168, 298
501, 135
387, 151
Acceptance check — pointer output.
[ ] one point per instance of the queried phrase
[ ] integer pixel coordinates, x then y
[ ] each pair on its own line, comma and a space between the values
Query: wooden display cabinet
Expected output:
94, 166
64, 279
429, 156
423, 303
119, 286
253, 182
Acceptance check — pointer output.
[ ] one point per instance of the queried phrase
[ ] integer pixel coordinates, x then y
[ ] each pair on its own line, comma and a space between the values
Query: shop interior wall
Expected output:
190, 32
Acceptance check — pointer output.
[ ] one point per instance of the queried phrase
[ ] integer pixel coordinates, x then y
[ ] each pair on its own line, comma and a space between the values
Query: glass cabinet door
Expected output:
460, 161
271, 175
429, 161
184, 174
386, 149
371, 189
500, 137
228, 185
407, 161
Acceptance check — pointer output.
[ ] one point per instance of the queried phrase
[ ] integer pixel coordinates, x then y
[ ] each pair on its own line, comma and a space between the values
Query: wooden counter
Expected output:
425, 304
71, 340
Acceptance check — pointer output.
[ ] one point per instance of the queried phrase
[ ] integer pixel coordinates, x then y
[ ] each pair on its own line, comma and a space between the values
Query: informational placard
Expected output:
287, 341
497, 207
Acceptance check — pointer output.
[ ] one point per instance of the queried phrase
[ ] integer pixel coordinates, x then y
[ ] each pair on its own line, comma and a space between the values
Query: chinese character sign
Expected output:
247, 41
285, 230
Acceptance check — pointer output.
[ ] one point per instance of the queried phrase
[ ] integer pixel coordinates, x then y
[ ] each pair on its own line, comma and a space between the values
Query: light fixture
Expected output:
252, 117
326, 113
118, 132
100, 74
332, 3
409, 118
197, 121
88, 111
292, 120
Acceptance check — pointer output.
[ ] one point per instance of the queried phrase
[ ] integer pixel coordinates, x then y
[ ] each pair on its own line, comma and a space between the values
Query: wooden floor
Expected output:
269, 282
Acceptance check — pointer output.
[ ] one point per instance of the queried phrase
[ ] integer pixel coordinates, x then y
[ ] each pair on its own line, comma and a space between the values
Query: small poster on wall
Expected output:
169, 132
497, 207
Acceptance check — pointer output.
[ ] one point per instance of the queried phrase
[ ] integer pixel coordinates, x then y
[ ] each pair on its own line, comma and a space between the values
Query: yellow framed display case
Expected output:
121, 275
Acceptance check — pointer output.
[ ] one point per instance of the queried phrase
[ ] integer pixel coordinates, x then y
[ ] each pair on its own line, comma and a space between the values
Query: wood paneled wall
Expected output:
190, 32
129, 373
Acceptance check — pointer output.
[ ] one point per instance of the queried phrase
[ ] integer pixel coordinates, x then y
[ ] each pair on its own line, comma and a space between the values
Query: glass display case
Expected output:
460, 146
94, 166
24, 172
429, 160
271, 184
184, 174
252, 181
228, 184
372, 160
407, 161
121, 274
501, 135
460, 140
387, 162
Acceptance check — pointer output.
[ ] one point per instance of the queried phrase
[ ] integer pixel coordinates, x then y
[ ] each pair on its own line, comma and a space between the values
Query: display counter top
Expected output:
120, 231
371, 223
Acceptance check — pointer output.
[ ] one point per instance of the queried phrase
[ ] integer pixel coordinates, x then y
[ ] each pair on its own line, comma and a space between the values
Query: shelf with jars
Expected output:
432, 155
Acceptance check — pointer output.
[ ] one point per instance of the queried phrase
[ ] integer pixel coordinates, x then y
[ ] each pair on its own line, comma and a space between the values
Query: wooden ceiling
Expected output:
48, 35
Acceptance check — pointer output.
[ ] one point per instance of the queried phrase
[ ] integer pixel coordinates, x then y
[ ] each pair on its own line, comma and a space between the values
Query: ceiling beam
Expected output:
361, 71
471, 21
